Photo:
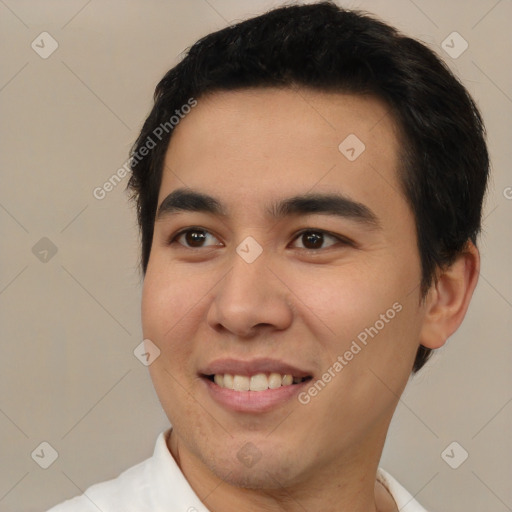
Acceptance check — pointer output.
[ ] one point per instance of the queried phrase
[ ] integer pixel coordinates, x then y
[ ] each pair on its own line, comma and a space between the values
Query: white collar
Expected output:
405, 502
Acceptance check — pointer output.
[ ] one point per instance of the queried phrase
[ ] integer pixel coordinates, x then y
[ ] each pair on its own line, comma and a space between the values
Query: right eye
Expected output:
192, 237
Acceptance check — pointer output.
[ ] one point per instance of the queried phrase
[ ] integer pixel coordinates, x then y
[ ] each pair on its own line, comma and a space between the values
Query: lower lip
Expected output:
253, 401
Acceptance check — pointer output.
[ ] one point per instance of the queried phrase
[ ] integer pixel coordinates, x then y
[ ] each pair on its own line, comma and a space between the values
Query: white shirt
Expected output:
158, 485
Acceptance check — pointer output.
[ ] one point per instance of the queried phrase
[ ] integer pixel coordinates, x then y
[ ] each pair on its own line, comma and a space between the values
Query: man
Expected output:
309, 187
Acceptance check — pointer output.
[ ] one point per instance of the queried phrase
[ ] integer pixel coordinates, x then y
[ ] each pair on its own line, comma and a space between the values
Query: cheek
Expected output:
168, 298
373, 321
169, 311
348, 297
372, 304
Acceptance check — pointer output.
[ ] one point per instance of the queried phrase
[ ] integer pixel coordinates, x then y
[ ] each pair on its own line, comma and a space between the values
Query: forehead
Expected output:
251, 145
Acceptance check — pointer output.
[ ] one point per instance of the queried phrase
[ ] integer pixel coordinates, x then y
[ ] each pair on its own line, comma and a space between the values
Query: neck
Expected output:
345, 484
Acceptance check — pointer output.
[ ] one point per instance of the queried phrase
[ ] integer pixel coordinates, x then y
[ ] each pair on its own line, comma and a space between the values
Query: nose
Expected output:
250, 299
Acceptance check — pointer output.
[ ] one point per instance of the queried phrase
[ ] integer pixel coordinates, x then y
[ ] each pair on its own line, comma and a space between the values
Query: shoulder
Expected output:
121, 493
154, 484
137, 489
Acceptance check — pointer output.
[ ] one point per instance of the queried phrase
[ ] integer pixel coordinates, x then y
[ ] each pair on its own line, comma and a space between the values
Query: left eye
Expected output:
314, 239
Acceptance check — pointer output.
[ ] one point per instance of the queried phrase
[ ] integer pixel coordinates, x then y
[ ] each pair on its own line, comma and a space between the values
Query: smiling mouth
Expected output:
257, 382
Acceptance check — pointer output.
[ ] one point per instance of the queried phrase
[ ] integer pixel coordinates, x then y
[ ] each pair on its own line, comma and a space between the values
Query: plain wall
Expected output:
68, 375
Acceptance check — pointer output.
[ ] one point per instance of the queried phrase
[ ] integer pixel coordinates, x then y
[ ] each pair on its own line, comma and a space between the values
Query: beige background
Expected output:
69, 326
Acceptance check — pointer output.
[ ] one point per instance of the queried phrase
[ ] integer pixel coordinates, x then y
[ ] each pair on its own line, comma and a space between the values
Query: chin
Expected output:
250, 469
254, 478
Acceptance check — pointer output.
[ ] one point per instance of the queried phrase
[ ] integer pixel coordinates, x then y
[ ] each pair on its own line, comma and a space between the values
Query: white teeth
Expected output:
274, 381
287, 380
228, 381
240, 383
258, 382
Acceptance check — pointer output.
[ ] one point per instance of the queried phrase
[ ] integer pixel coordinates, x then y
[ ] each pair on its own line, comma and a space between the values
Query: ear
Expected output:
447, 301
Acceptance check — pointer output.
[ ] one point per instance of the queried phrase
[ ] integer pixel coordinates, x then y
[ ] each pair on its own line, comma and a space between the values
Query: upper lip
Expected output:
252, 367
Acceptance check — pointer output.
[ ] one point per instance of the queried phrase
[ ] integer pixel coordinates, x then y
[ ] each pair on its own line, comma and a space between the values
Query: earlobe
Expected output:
448, 300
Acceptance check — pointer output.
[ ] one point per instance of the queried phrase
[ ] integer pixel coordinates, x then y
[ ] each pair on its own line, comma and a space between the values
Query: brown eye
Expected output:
314, 239
193, 238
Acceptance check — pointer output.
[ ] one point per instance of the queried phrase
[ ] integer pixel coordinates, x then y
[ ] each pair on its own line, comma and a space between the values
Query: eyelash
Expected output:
342, 240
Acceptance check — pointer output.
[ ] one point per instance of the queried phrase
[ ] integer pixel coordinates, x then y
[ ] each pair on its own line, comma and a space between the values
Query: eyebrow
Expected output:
189, 200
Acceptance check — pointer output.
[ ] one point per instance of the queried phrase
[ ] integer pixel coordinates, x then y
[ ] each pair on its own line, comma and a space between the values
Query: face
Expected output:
327, 291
